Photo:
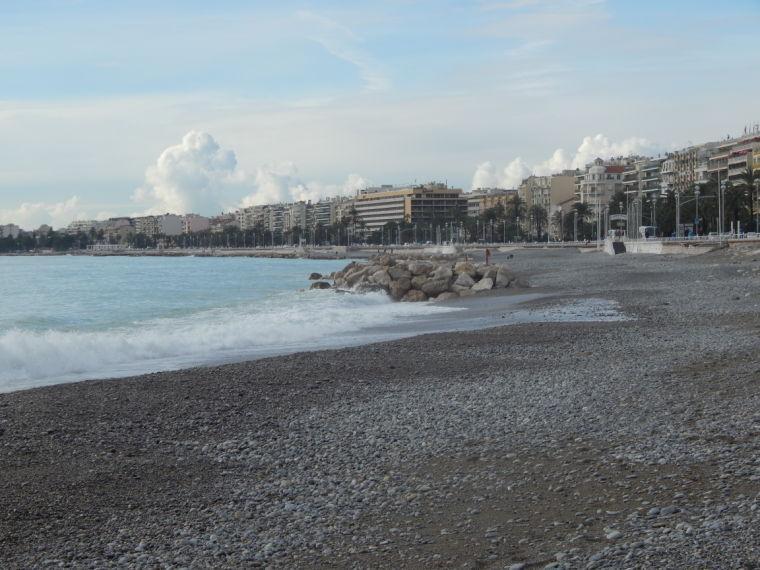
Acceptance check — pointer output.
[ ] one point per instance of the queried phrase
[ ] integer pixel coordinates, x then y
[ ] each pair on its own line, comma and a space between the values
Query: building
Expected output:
482, 199
548, 192
323, 213
193, 223
644, 176
118, 229
685, 168
219, 223
146, 225
734, 156
9, 230
600, 180
82, 226
418, 204
297, 215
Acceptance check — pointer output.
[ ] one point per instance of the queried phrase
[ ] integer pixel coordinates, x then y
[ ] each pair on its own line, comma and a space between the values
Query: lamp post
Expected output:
696, 213
757, 205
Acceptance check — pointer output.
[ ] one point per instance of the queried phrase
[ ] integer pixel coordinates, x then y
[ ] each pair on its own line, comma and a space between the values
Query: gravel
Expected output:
604, 444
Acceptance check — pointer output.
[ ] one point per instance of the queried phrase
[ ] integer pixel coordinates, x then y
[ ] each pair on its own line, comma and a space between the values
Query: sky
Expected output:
121, 108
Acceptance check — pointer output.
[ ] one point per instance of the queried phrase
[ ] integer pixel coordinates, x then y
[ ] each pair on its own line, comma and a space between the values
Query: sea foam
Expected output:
282, 323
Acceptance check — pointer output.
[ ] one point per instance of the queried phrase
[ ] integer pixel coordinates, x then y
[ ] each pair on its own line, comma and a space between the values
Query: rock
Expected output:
420, 267
382, 278
466, 293
399, 287
446, 295
320, 285
503, 277
418, 281
315, 276
613, 535
384, 260
465, 267
367, 287
433, 287
668, 510
414, 295
464, 281
485, 284
398, 272
442, 272
483, 270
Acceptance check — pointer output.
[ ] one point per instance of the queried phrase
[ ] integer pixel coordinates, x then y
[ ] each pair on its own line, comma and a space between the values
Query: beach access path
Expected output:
621, 444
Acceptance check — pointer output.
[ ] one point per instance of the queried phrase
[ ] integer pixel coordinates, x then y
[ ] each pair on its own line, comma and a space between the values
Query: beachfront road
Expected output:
614, 444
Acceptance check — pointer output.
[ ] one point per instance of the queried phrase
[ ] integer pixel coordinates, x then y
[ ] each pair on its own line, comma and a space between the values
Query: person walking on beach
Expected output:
488, 256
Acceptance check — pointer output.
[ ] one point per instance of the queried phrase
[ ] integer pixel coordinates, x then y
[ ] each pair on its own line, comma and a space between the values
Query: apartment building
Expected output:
548, 192
192, 223
482, 199
644, 176
82, 226
418, 204
600, 180
732, 157
685, 168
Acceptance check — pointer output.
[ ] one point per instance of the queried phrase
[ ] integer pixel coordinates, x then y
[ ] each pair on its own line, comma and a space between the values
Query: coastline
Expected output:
477, 447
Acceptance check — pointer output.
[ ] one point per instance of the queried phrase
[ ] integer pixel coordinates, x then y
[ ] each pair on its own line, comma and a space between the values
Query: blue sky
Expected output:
319, 97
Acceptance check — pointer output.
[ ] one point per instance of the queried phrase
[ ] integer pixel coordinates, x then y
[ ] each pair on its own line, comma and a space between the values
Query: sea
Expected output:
68, 318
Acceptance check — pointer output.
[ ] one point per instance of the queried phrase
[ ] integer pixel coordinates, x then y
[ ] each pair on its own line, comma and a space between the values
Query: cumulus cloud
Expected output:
196, 175
487, 176
199, 176
591, 148
282, 183
31, 215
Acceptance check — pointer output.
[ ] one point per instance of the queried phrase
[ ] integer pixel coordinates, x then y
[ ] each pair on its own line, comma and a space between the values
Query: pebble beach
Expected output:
630, 443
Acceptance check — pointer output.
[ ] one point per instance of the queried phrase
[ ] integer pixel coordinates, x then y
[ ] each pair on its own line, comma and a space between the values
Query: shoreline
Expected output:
567, 442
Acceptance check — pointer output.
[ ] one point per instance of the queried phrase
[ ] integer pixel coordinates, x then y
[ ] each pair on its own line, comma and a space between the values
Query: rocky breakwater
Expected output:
423, 280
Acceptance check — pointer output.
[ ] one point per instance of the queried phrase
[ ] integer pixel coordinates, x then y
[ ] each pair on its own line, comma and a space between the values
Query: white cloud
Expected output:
31, 215
281, 183
591, 148
196, 175
486, 175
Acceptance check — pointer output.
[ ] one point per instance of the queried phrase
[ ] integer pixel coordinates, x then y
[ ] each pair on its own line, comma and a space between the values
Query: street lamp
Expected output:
757, 205
696, 213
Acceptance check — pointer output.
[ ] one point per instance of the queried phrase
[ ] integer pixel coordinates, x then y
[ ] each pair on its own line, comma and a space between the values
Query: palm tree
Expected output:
747, 184
539, 216
582, 213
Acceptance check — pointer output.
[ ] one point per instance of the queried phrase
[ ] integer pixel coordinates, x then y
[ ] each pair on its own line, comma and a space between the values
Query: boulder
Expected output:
446, 295
485, 284
420, 267
464, 281
418, 281
320, 285
466, 293
465, 267
442, 272
484, 270
384, 260
414, 295
433, 287
398, 271
315, 276
503, 278
399, 287
382, 278
367, 287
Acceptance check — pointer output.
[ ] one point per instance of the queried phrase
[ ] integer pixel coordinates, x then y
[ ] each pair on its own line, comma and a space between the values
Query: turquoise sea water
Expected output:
76, 317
